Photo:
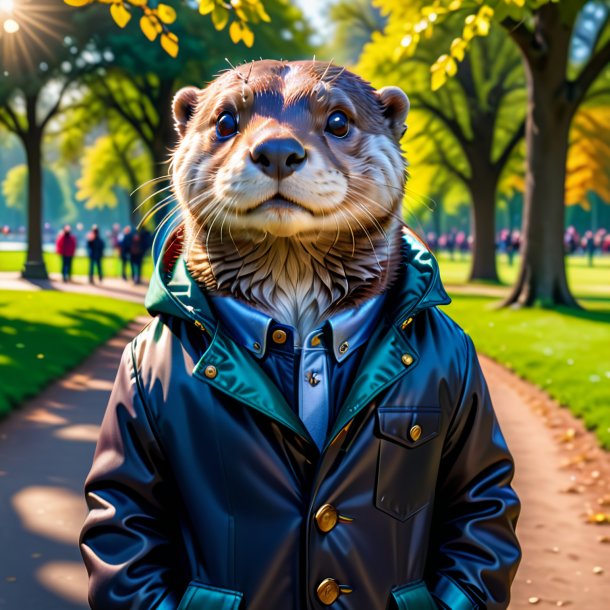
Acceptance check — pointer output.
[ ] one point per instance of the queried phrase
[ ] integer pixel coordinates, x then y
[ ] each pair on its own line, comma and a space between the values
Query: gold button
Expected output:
407, 359
315, 341
279, 336
327, 517
406, 323
210, 372
343, 347
415, 432
328, 591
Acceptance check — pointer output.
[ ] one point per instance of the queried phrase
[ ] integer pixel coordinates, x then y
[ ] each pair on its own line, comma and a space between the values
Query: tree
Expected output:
38, 69
543, 31
156, 18
471, 127
139, 80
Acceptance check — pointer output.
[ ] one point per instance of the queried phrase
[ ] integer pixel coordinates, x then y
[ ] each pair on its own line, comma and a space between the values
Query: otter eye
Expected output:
337, 124
226, 125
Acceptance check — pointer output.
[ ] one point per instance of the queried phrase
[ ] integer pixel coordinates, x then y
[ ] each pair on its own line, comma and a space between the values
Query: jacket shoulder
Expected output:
167, 344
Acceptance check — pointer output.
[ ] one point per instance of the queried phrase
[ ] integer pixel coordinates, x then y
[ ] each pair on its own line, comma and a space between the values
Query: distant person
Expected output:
65, 246
588, 245
95, 249
139, 244
450, 243
124, 244
509, 245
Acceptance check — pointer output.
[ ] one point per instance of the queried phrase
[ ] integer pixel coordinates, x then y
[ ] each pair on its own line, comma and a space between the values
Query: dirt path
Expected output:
45, 453
561, 476
46, 450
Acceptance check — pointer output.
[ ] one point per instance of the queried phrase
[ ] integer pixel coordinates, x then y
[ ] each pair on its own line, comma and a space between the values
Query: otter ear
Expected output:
184, 105
395, 109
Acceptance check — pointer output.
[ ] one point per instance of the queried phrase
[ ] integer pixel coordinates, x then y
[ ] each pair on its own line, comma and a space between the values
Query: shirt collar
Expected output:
250, 328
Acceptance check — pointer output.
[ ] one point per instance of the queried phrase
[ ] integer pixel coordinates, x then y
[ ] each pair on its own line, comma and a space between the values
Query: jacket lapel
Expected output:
241, 378
382, 365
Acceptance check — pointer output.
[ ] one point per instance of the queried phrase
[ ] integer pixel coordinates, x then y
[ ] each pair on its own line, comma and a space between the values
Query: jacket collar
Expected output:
174, 292
251, 328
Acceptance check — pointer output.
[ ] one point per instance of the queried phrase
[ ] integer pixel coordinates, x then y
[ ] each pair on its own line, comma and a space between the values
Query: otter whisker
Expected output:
152, 180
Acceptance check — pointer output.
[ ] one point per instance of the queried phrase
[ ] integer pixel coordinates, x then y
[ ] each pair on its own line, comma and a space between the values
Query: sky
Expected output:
315, 11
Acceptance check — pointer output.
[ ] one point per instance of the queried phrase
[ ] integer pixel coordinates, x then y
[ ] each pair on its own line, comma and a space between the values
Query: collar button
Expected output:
279, 336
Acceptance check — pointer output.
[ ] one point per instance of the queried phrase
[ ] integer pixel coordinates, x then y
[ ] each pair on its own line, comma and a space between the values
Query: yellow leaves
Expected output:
588, 156
458, 49
156, 17
166, 13
150, 27
169, 42
206, 6
120, 14
220, 17
478, 24
78, 2
444, 67
240, 31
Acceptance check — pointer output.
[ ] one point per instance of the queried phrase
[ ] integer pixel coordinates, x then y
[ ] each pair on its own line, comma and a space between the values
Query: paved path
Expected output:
46, 450
110, 287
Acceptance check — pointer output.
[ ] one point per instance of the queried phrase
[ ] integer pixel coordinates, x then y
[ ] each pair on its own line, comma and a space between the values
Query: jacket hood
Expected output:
173, 291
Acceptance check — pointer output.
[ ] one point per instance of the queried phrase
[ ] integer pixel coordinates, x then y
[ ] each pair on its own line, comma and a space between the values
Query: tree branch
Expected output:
517, 136
519, 32
14, 125
451, 124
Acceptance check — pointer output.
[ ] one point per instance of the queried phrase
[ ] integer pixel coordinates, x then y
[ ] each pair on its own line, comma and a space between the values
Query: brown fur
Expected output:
339, 245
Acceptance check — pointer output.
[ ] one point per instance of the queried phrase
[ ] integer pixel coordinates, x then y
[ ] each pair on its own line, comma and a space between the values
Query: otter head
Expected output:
288, 157
289, 148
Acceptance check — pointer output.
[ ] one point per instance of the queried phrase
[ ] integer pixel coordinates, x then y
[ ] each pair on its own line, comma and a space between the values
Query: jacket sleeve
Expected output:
129, 541
474, 552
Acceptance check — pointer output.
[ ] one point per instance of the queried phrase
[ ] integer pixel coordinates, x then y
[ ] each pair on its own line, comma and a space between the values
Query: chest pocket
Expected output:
409, 453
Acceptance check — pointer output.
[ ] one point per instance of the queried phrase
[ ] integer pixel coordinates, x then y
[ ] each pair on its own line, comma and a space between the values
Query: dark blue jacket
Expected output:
207, 493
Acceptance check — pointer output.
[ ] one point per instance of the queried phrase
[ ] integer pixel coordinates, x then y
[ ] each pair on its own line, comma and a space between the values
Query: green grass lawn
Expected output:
14, 261
43, 334
565, 352
585, 281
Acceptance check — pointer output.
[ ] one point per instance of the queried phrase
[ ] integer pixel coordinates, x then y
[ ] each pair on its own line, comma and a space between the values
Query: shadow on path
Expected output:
46, 450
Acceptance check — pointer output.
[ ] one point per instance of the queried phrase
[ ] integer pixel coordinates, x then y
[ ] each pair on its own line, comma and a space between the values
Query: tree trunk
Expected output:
542, 278
483, 194
34, 266
164, 140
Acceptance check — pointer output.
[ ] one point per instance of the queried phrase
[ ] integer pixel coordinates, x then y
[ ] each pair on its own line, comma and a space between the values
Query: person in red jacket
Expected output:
66, 247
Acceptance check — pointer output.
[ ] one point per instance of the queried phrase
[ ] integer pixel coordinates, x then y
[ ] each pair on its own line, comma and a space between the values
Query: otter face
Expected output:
289, 148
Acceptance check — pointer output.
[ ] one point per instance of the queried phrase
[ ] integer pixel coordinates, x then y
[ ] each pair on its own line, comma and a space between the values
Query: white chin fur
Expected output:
280, 222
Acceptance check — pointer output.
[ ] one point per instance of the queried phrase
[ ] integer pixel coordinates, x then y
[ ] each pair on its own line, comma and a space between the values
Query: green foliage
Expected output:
479, 112
559, 351
15, 191
35, 349
104, 169
414, 22
15, 186
157, 19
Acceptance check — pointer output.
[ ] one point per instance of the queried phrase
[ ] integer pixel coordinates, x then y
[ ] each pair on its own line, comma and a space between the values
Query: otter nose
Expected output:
278, 157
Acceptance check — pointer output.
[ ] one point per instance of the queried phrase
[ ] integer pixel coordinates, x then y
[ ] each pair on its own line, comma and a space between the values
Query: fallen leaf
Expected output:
568, 435
598, 518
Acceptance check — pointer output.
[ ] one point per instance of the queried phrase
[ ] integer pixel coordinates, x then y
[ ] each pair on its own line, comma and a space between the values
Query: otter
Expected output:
290, 178
355, 453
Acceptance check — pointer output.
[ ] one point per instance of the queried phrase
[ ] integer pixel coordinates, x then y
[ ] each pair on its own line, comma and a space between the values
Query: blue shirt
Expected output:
316, 376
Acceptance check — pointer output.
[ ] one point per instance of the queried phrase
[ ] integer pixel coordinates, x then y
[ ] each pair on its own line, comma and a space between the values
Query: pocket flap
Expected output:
409, 426
199, 596
414, 596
